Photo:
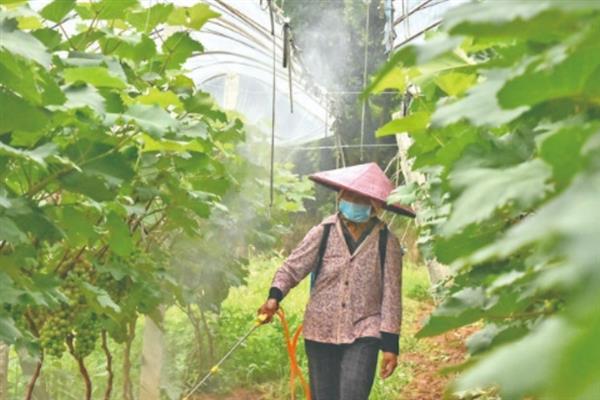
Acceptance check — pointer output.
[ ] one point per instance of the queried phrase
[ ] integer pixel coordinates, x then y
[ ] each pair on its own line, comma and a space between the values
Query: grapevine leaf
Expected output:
119, 238
494, 335
57, 10
442, 146
561, 149
106, 9
5, 201
397, 78
133, 47
522, 373
570, 78
148, 19
36, 222
404, 194
198, 130
480, 105
486, 190
153, 119
470, 239
8, 331
10, 232
93, 186
22, 44
513, 21
100, 160
166, 145
33, 84
96, 76
37, 155
78, 228
18, 76
101, 297
494, 13
481, 340
160, 98
192, 17
462, 308
199, 103
577, 375
29, 23
453, 149
17, 114
578, 228
178, 48
84, 96
455, 83
409, 56
10, 294
412, 123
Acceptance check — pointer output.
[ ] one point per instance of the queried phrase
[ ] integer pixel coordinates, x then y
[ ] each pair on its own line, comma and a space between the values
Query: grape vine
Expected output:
505, 120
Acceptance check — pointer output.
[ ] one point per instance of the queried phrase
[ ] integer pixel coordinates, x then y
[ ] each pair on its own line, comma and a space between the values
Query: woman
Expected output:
355, 304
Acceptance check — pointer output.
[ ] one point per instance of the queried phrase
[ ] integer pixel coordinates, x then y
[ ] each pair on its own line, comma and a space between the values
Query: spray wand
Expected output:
259, 321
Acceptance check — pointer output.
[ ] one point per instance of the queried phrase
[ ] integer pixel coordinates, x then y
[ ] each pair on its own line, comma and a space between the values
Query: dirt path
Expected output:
238, 394
427, 382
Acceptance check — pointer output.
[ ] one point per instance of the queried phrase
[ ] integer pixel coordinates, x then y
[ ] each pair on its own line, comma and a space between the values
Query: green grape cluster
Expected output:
18, 315
86, 334
80, 272
54, 332
83, 270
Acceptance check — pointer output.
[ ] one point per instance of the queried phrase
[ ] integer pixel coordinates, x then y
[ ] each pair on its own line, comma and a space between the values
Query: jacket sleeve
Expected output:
391, 306
298, 264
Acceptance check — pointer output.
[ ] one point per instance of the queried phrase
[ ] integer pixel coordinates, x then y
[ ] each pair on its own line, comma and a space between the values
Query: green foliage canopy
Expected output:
107, 150
506, 128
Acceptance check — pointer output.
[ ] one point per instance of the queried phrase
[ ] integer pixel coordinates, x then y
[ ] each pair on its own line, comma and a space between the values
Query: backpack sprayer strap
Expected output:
383, 238
322, 248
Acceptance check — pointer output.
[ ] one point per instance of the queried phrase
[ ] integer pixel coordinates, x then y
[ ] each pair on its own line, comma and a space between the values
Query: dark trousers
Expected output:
342, 371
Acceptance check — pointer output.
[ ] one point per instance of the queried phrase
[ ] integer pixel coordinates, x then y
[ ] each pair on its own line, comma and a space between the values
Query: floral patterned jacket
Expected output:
348, 300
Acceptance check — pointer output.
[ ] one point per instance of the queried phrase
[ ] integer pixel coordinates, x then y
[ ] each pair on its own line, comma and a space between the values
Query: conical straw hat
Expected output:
365, 179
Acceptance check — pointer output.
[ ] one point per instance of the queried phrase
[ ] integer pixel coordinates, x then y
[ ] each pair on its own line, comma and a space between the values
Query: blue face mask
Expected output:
355, 212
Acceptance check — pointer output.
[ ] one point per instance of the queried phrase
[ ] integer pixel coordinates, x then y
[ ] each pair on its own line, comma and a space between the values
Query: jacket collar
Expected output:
336, 220
332, 219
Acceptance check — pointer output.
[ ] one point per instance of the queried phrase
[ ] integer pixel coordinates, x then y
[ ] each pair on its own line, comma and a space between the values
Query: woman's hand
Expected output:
269, 309
389, 363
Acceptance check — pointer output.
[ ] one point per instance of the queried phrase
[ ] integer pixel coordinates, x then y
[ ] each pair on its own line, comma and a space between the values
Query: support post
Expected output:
152, 360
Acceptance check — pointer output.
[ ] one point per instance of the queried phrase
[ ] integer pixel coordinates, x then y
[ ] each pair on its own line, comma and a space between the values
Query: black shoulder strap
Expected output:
383, 236
322, 247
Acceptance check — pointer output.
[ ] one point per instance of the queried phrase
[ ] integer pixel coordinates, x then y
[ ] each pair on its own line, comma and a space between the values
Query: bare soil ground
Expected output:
238, 394
446, 350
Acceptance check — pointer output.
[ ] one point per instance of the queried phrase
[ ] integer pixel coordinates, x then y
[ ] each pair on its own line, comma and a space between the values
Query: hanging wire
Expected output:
326, 124
287, 59
272, 17
365, 65
340, 149
286, 47
272, 176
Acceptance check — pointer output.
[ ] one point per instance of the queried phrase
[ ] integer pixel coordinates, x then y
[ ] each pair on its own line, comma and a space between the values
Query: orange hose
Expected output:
292, 344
